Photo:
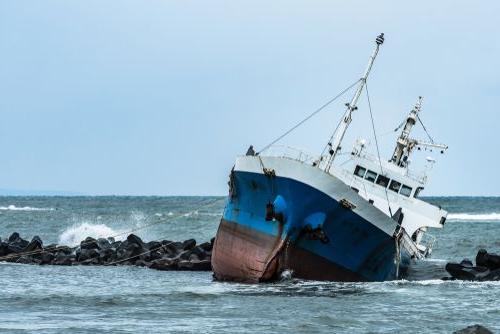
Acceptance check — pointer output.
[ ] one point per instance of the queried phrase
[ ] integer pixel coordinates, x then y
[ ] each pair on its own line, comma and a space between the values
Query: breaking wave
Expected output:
73, 235
474, 217
23, 208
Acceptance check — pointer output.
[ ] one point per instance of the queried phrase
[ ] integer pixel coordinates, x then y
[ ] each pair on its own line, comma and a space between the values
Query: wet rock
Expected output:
133, 239
25, 260
467, 273
35, 244
475, 329
207, 246
4, 248
103, 243
188, 244
89, 243
46, 258
86, 254
17, 244
164, 264
485, 259
195, 265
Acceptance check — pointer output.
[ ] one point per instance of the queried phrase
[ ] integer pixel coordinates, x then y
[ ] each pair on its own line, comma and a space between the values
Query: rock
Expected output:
17, 244
467, 273
207, 246
14, 236
87, 254
195, 265
46, 258
153, 245
485, 259
164, 264
132, 238
25, 260
103, 243
188, 244
35, 244
4, 249
63, 259
89, 243
475, 329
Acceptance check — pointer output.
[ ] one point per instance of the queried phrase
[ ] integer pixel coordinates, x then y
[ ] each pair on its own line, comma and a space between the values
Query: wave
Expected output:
73, 235
474, 217
23, 208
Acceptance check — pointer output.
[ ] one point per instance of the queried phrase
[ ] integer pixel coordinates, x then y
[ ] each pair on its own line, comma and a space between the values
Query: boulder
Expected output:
46, 258
63, 259
35, 244
133, 239
195, 265
164, 264
89, 243
188, 244
488, 260
475, 329
103, 243
467, 272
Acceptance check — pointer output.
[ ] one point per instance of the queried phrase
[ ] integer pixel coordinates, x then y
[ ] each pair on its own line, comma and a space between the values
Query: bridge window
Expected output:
417, 192
382, 181
370, 176
359, 171
394, 186
406, 191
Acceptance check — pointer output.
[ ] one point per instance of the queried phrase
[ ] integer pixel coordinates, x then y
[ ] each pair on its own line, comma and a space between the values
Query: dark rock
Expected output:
467, 263
87, 254
212, 241
25, 260
4, 249
111, 240
63, 259
207, 246
35, 244
195, 265
475, 329
89, 243
173, 248
132, 238
142, 263
107, 255
188, 244
488, 260
103, 243
153, 245
467, 273
46, 258
164, 264
13, 237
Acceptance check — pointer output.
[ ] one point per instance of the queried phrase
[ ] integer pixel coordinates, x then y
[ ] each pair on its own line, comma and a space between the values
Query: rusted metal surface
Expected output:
245, 255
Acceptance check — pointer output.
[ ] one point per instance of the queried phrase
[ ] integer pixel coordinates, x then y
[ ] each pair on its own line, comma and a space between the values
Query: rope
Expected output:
425, 129
376, 144
308, 117
169, 219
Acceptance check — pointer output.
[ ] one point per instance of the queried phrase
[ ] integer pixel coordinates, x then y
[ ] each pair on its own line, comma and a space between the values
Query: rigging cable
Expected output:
376, 144
309, 117
425, 129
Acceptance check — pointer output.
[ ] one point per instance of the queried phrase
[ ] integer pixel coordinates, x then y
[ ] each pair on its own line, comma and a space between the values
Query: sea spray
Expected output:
73, 235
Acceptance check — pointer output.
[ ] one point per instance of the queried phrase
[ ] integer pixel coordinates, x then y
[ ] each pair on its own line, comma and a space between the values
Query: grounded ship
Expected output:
320, 221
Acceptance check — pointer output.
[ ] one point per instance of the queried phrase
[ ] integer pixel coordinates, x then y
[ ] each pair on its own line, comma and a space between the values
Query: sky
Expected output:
158, 97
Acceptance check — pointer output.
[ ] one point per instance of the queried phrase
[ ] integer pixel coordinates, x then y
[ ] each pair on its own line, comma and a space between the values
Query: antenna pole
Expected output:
351, 107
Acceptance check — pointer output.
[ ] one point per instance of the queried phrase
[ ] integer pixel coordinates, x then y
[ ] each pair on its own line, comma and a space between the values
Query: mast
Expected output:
351, 106
405, 145
403, 141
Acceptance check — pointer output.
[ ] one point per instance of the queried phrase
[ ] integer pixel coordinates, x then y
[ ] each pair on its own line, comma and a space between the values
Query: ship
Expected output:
362, 220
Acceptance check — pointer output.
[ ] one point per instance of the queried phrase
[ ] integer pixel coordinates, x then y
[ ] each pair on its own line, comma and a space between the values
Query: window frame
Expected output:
407, 194
380, 176
368, 171
357, 169
395, 190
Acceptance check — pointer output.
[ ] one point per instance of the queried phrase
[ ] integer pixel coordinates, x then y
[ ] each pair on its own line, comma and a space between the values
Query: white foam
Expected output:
493, 216
73, 235
23, 208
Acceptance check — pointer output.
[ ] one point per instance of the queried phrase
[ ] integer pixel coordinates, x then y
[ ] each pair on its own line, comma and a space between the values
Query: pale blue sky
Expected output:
157, 97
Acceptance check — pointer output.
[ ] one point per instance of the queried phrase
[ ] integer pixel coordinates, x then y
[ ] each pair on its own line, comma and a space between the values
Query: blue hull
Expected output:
311, 234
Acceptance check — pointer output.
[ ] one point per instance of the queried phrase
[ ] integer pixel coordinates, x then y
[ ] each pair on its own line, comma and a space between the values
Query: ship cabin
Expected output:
394, 191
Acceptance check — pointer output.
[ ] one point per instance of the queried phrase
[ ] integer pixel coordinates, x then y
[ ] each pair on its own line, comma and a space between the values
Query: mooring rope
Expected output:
59, 247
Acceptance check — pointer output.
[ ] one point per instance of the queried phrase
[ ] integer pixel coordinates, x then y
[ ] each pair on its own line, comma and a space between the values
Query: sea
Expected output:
86, 299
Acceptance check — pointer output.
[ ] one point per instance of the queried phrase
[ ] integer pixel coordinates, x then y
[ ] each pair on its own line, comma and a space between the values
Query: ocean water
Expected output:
51, 299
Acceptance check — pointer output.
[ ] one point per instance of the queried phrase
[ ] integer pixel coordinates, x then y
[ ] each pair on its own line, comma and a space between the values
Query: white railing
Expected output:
290, 152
